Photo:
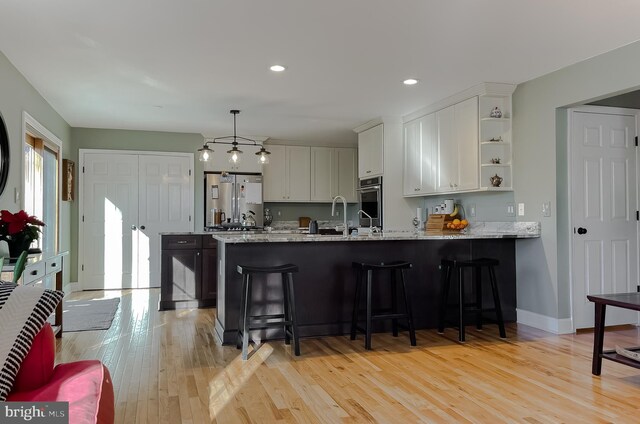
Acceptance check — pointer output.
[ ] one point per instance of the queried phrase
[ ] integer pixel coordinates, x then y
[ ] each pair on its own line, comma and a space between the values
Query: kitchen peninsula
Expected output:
325, 285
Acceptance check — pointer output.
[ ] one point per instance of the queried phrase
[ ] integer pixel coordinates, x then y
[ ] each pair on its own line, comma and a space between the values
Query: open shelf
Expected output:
495, 128
486, 143
503, 120
496, 165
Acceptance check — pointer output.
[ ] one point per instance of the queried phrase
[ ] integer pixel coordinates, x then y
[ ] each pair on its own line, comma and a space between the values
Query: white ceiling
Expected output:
180, 65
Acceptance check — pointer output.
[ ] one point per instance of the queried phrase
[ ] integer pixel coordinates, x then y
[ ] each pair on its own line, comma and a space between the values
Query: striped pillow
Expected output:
23, 311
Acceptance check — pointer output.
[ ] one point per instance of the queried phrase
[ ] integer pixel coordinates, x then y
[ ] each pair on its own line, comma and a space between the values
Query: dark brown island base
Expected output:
325, 284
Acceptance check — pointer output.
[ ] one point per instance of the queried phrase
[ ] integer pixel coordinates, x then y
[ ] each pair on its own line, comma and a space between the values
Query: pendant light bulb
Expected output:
205, 153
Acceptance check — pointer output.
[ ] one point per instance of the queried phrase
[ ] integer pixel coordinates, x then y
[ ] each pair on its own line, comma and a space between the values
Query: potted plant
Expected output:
19, 230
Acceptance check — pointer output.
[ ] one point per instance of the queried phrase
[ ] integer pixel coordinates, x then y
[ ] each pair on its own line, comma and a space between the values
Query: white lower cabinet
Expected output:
333, 172
287, 177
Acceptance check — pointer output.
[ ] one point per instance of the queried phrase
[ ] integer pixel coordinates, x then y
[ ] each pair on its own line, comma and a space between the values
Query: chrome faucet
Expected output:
345, 231
368, 216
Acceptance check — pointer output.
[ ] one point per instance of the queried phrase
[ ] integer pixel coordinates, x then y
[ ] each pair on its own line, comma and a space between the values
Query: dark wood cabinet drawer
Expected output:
181, 242
208, 242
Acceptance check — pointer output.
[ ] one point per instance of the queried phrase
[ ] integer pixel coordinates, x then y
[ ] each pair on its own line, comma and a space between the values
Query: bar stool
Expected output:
394, 315
248, 322
456, 266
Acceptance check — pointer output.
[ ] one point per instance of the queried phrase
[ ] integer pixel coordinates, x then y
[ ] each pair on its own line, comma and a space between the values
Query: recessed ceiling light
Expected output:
410, 81
277, 68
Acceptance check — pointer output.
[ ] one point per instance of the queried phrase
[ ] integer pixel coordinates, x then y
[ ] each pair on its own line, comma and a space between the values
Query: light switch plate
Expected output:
472, 210
520, 209
546, 208
511, 209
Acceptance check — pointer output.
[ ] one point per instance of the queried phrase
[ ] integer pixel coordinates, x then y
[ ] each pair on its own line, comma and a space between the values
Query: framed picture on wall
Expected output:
68, 179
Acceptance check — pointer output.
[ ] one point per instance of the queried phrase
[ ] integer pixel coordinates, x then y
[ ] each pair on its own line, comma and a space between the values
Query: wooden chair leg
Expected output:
407, 307
367, 342
445, 276
356, 305
394, 303
477, 280
285, 305
245, 328
294, 320
496, 301
241, 315
461, 304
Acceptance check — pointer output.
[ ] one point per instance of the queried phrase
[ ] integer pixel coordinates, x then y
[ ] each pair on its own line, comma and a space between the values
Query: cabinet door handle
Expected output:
53, 264
142, 227
197, 253
34, 272
368, 172
182, 242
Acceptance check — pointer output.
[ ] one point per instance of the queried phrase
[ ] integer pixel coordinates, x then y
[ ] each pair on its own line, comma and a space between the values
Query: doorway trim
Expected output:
604, 110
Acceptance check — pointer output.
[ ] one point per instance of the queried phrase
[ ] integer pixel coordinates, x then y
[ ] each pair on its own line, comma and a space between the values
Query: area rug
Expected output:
87, 315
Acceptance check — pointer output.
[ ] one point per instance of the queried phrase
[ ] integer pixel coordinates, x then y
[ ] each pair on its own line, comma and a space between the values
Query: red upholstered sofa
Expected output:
86, 385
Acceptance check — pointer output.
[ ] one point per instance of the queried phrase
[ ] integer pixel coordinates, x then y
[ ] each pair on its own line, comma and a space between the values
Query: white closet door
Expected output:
110, 214
603, 204
166, 205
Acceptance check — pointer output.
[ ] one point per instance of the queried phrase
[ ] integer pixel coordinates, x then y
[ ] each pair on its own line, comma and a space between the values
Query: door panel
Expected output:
165, 206
110, 199
604, 203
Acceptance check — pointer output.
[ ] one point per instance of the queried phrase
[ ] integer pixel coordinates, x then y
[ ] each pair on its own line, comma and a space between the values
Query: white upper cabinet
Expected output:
461, 143
420, 156
333, 172
466, 137
458, 147
286, 177
371, 152
412, 181
275, 175
322, 174
345, 182
298, 173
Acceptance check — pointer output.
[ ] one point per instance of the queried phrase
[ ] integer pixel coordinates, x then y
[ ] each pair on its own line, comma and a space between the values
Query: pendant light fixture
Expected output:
205, 153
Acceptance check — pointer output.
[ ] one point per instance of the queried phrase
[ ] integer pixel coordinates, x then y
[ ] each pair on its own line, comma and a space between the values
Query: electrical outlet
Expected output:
511, 209
279, 213
546, 208
520, 209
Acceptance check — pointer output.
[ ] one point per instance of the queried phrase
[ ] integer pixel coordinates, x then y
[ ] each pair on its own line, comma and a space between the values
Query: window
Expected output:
41, 187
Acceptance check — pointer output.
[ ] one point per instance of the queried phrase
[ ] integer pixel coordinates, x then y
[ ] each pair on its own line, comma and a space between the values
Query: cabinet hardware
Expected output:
182, 242
34, 272
368, 172
53, 264
142, 227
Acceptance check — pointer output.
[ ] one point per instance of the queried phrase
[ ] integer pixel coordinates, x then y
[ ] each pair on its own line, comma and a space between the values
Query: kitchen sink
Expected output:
329, 232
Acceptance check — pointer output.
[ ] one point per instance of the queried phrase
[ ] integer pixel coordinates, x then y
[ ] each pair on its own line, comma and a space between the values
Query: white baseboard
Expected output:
73, 287
543, 322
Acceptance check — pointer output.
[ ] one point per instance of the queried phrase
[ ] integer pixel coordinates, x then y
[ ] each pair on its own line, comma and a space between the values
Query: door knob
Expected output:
582, 231
142, 227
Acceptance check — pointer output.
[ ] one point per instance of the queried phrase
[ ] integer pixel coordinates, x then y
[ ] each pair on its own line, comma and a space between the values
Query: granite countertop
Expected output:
478, 230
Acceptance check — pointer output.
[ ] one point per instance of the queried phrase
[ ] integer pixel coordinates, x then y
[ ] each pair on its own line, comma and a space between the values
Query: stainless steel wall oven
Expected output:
370, 196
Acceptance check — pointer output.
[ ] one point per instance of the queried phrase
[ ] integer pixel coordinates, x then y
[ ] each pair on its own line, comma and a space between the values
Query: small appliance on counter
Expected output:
313, 227
303, 222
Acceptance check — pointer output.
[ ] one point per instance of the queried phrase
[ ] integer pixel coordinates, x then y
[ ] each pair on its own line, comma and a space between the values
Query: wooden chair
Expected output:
18, 269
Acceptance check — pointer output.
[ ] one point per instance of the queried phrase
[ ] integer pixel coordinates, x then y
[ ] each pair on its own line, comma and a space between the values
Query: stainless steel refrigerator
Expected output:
233, 195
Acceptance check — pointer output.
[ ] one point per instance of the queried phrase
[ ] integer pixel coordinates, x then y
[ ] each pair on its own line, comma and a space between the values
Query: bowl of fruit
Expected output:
456, 224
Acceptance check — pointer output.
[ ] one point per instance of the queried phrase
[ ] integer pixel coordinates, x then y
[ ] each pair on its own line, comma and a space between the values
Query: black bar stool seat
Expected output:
364, 272
248, 322
450, 266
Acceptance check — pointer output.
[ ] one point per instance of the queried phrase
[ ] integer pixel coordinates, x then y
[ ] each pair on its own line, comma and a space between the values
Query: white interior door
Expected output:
127, 200
109, 211
166, 205
603, 205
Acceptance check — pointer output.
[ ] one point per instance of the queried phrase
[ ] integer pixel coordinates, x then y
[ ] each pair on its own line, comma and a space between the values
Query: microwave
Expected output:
370, 198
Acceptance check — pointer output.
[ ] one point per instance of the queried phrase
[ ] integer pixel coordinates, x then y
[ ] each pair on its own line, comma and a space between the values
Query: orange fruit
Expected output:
464, 222
456, 221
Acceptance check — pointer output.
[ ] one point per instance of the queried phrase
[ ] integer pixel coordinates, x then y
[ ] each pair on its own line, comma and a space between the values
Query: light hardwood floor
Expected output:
167, 368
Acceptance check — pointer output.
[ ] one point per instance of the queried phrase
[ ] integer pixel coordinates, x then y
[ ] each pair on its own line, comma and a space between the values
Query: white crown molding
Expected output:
483, 89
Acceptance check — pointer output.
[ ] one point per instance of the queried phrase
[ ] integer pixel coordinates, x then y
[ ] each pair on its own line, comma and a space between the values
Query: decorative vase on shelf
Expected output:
496, 113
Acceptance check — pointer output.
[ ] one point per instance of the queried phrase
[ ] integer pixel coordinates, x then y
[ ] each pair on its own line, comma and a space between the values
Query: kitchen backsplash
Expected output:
317, 211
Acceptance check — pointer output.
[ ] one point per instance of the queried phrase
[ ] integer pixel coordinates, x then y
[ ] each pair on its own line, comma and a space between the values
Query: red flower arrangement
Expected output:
19, 230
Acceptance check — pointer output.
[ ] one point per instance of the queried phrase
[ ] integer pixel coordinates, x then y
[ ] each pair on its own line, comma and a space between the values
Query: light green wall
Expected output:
317, 211
87, 138
540, 167
17, 95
